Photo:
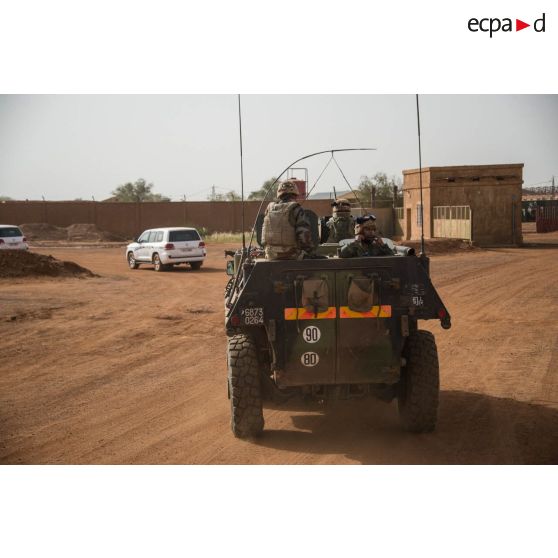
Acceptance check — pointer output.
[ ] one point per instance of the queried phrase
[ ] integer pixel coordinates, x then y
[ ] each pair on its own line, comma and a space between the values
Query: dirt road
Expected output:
130, 367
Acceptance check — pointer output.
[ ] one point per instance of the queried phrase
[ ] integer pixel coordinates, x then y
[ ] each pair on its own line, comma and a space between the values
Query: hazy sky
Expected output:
78, 146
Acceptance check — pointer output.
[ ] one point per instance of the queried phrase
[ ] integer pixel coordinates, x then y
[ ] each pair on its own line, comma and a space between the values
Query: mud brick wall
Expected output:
492, 191
130, 219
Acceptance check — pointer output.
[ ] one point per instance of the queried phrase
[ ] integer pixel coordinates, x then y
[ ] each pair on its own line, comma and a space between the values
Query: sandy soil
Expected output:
130, 367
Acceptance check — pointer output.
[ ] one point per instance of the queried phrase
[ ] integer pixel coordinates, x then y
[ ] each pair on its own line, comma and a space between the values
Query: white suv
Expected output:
11, 238
167, 247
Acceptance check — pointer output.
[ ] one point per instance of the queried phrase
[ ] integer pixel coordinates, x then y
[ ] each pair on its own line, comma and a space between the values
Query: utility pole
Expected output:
553, 187
213, 192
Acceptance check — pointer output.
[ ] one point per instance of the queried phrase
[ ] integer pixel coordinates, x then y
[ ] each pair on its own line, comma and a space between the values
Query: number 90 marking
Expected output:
311, 334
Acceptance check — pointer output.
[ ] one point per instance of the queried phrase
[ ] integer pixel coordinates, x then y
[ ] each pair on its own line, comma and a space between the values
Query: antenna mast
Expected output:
420, 181
241, 178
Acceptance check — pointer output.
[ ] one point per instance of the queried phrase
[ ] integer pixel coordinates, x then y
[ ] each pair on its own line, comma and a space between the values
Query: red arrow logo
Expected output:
519, 25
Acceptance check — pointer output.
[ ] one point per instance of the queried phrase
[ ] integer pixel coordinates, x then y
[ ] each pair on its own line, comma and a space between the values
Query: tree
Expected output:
139, 191
262, 192
231, 195
381, 183
5, 198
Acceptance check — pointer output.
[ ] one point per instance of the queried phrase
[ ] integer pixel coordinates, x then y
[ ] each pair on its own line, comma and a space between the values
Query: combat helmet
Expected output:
365, 222
341, 205
288, 187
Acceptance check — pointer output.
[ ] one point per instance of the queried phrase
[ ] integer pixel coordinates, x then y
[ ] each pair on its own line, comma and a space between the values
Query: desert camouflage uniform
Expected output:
286, 230
362, 248
340, 227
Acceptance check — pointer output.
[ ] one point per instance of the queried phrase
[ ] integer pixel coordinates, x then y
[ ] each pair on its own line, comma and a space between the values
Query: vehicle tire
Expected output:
419, 388
195, 265
132, 264
244, 387
157, 264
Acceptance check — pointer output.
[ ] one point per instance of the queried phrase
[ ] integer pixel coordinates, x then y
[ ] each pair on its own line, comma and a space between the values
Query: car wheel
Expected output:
244, 387
132, 264
195, 265
157, 264
420, 383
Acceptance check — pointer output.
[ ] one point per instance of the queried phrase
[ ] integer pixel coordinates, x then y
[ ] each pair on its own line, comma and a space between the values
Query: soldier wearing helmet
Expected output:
367, 242
341, 225
286, 230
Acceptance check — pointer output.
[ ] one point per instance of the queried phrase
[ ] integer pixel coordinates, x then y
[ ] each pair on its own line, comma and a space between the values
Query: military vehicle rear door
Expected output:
338, 330
310, 330
364, 346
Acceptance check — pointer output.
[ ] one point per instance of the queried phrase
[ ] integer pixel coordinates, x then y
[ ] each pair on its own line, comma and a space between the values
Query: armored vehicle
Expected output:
332, 328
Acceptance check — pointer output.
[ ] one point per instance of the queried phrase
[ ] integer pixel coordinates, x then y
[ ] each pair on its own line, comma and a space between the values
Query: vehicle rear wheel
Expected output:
419, 388
132, 264
157, 264
195, 265
244, 387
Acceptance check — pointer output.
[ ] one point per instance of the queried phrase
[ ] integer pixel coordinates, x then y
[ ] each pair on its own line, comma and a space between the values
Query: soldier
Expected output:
366, 242
341, 225
286, 230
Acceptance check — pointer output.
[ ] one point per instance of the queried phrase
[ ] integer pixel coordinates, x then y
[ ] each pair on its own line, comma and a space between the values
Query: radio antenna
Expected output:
241, 177
420, 182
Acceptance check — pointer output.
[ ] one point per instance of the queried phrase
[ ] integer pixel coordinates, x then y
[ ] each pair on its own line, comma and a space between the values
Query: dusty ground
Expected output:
130, 367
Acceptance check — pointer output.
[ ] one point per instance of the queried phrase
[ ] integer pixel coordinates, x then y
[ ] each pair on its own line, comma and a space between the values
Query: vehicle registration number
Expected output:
252, 316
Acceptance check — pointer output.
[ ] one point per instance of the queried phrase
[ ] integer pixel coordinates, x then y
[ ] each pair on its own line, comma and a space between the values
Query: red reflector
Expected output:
169, 246
235, 320
442, 313
201, 244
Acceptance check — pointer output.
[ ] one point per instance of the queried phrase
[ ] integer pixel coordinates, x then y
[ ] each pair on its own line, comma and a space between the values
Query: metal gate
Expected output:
452, 221
547, 216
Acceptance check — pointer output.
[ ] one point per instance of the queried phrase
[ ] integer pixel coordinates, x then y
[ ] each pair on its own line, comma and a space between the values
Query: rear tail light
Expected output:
442, 313
235, 320
1, 241
24, 239
201, 244
169, 246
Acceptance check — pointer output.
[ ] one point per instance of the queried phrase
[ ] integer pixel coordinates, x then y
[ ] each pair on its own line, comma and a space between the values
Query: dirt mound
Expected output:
89, 232
440, 245
80, 232
43, 231
20, 263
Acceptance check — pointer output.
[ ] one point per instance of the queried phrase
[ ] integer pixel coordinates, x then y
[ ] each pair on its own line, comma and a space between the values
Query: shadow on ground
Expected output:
182, 269
472, 429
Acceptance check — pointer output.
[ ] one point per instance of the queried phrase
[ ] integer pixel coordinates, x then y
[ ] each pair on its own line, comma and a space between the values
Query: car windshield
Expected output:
10, 231
183, 236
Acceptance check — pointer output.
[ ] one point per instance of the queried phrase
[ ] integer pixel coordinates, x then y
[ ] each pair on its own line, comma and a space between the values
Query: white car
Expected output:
11, 238
167, 247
